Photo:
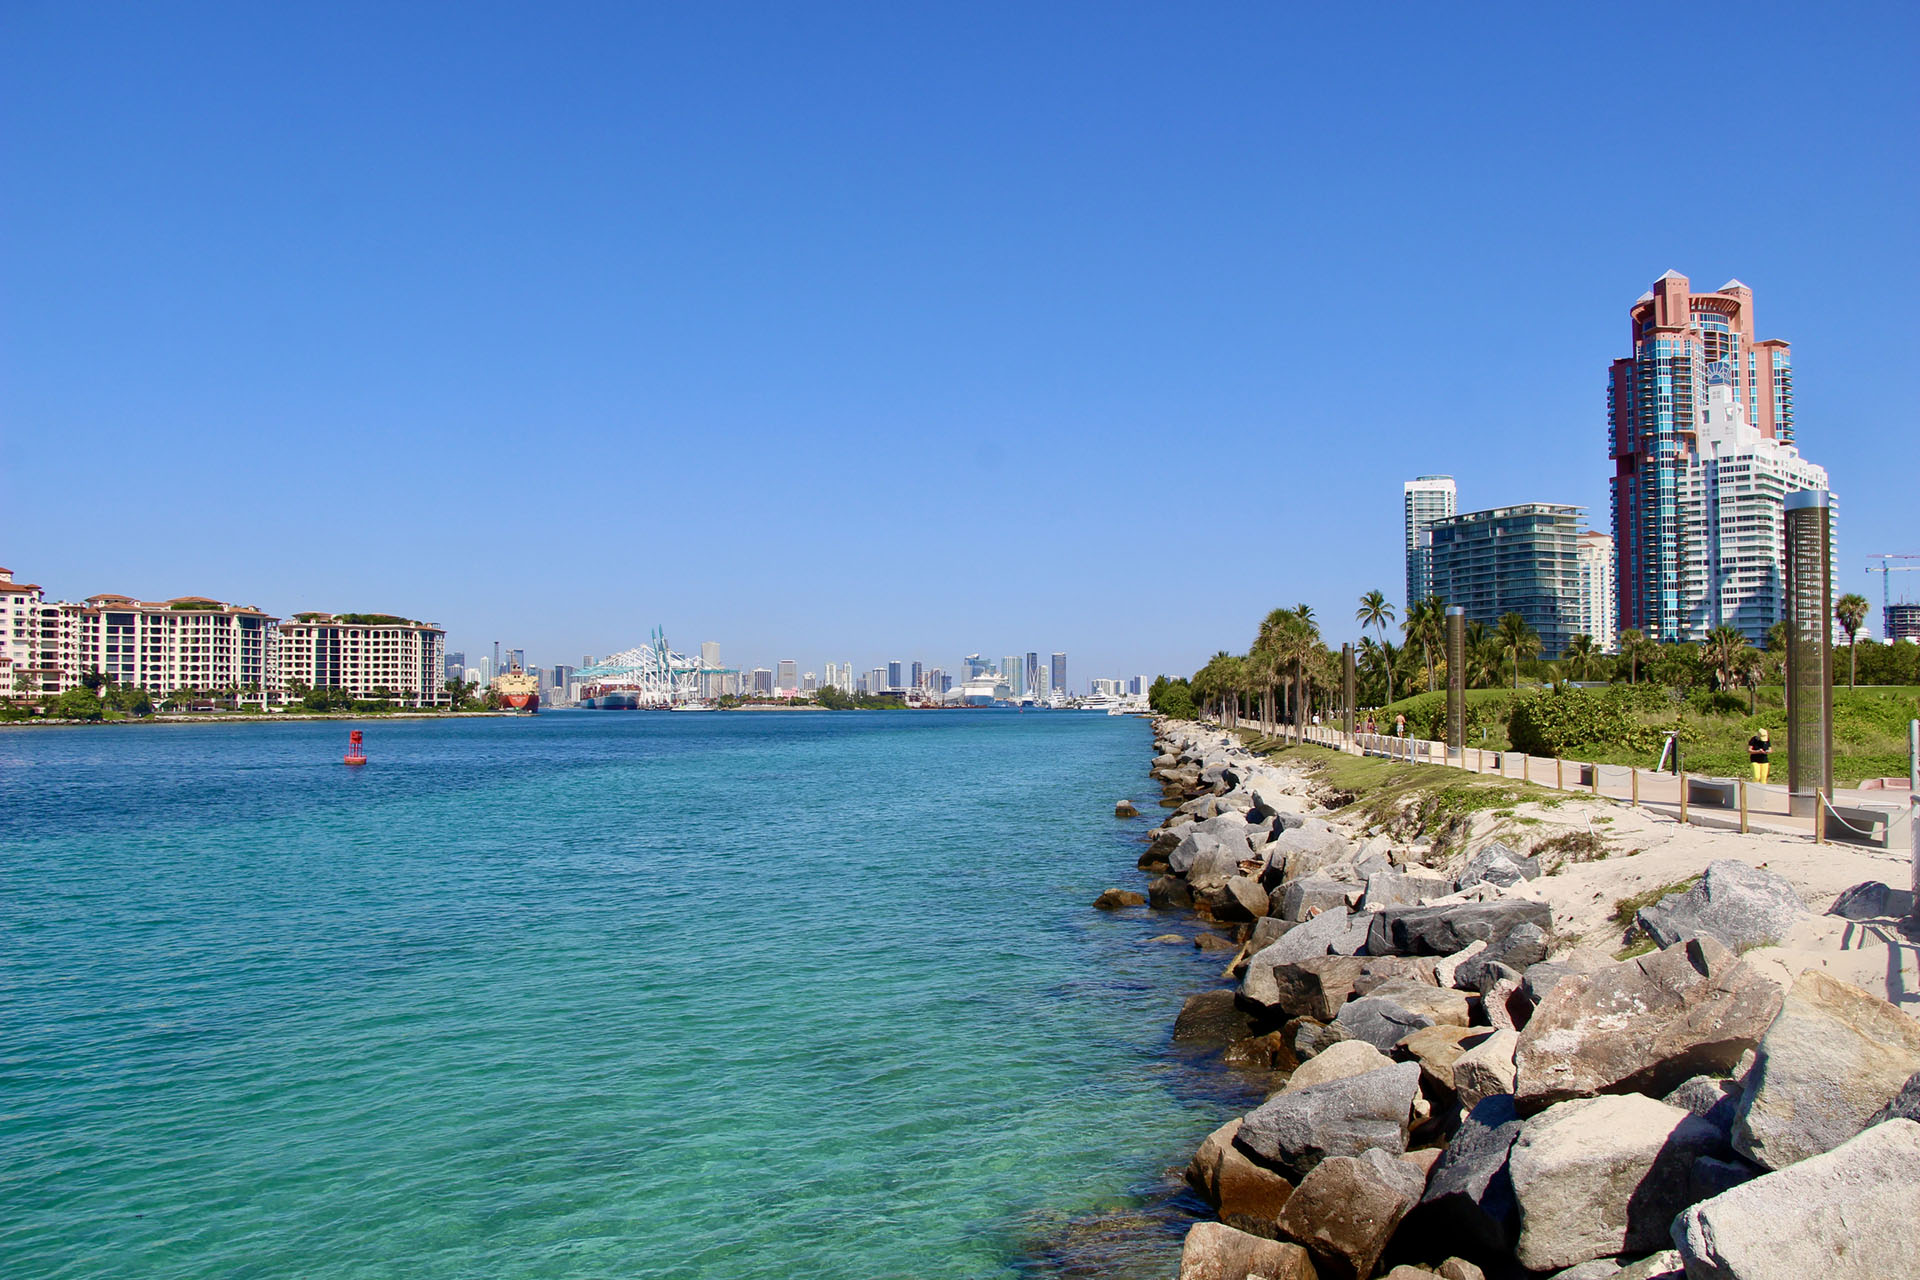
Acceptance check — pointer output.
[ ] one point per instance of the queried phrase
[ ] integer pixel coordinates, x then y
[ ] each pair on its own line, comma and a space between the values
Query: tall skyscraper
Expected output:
1010, 671
917, 676
456, 665
973, 665
1426, 498
1033, 672
787, 678
896, 674
516, 660
1657, 402
1523, 559
1733, 489
1599, 606
1059, 673
762, 681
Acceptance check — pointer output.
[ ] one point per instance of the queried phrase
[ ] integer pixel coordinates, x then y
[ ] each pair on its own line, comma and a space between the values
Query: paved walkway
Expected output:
1880, 819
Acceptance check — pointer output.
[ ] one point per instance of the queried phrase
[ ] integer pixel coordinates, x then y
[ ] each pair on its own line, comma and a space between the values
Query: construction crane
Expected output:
1886, 571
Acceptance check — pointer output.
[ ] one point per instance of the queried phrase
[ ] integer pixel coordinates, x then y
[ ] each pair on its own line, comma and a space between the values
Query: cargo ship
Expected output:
519, 691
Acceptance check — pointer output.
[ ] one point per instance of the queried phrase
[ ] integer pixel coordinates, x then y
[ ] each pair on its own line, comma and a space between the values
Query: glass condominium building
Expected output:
1427, 499
1523, 559
1656, 404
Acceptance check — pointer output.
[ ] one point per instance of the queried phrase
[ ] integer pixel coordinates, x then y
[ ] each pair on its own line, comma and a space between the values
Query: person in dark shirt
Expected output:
1757, 748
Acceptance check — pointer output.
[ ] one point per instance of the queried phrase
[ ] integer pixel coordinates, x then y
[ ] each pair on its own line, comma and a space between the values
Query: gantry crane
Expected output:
1886, 571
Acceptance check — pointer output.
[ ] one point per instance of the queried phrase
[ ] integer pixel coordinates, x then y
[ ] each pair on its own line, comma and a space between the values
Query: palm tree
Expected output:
1635, 648
1383, 659
1374, 611
1426, 626
1752, 667
1724, 654
1850, 610
1518, 641
1580, 655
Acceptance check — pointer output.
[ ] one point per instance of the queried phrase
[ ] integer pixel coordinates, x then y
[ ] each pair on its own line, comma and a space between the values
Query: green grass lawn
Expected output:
1869, 730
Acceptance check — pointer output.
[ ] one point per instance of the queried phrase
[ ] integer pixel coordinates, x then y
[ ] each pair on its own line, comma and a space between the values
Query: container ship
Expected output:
518, 690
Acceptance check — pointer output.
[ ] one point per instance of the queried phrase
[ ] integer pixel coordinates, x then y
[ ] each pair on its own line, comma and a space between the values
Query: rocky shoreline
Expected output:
1460, 1093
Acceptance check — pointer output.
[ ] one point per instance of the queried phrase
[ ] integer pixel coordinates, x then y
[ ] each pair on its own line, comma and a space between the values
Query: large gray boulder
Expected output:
1872, 900
1319, 936
1524, 946
1248, 1196
1312, 846
1379, 1022
1339, 1061
1293, 1132
1834, 1057
1319, 986
1213, 867
1486, 1068
1192, 843
1846, 1214
1469, 1193
1310, 895
1442, 1005
1169, 893
1403, 889
1215, 1251
1449, 928
1742, 906
1347, 1209
1240, 899
1211, 1017
1497, 864
1644, 1025
1598, 1177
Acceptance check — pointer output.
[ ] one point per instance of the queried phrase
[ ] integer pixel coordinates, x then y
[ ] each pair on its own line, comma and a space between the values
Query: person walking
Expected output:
1400, 726
1758, 747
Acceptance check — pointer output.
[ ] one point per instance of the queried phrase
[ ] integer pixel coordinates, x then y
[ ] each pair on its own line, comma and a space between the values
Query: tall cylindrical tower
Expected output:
1809, 673
1347, 684
1456, 680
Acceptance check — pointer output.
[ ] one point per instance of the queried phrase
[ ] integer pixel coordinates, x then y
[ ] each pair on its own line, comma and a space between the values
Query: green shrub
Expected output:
1550, 723
76, 704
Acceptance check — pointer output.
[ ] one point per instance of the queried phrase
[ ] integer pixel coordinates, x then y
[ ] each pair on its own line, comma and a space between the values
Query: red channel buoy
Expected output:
356, 751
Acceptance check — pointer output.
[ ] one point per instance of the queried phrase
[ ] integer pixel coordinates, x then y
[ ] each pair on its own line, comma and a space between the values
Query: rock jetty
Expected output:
1461, 1095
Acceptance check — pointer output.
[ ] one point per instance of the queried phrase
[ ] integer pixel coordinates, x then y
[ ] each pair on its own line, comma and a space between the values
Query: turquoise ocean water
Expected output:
588, 994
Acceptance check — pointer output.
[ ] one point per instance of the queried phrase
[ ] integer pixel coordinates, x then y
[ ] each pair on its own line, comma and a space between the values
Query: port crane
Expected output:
653, 673
1886, 569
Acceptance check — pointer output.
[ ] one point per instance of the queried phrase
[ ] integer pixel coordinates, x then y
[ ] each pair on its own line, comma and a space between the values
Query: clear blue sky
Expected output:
902, 330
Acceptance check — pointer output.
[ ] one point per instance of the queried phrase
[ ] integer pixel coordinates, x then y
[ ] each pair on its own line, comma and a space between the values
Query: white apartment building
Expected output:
366, 655
22, 673
1733, 486
1598, 607
1426, 499
182, 646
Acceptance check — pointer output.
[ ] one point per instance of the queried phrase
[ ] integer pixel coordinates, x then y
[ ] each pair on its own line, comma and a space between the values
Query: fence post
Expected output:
1635, 770
1683, 794
1559, 773
1819, 816
1595, 766
1526, 766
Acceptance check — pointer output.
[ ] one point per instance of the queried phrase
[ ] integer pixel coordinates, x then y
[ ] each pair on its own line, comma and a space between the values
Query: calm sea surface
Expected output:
589, 994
